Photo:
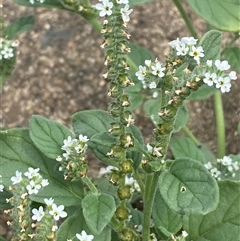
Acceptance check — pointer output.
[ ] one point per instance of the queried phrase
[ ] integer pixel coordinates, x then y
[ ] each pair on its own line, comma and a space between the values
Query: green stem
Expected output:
139, 181
149, 195
190, 135
186, 18
218, 106
90, 185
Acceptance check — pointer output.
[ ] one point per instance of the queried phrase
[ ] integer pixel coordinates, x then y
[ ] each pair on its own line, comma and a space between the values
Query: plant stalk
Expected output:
150, 191
218, 106
90, 185
186, 18
190, 135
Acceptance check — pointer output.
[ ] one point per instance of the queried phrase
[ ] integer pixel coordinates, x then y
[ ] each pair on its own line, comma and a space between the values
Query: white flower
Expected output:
156, 151
38, 213
68, 143
152, 85
16, 179
54, 228
83, 138
44, 182
184, 234
149, 148
125, 13
235, 165
224, 84
197, 53
139, 228
129, 180
84, 236
222, 65
226, 161
215, 173
32, 173
233, 75
49, 201
174, 43
155, 94
182, 49
210, 78
59, 159
208, 165
105, 8
153, 237
7, 52
141, 72
57, 212
66, 155
107, 170
189, 41
1, 188
157, 69
33, 187
209, 63
148, 62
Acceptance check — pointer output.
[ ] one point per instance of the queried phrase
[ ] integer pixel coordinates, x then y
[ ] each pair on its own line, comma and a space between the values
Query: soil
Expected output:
60, 65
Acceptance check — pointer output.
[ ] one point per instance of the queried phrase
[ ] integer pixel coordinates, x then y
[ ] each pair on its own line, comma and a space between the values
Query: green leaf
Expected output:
222, 14
181, 118
48, 135
98, 211
223, 224
20, 153
151, 108
136, 99
136, 2
76, 224
202, 93
189, 187
211, 43
19, 26
232, 56
165, 218
2, 239
207, 153
184, 147
45, 4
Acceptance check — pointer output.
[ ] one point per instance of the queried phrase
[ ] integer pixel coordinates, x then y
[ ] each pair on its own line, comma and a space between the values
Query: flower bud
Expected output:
124, 99
115, 109
127, 140
127, 166
116, 129
127, 235
124, 192
115, 177
122, 213
114, 90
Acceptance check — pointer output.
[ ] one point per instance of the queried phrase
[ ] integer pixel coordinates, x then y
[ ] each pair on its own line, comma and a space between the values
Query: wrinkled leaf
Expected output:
76, 224
19, 153
232, 55
189, 187
165, 218
222, 14
21, 25
98, 211
223, 223
48, 135
184, 147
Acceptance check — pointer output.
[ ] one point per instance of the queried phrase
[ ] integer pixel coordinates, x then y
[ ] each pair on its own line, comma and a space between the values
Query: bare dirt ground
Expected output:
60, 66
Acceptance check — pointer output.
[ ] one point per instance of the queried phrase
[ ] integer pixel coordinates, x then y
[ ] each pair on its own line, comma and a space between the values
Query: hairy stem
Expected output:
186, 18
190, 135
218, 106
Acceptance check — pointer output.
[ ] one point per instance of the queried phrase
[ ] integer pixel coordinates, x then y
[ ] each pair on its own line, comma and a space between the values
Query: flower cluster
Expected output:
224, 168
215, 74
73, 162
106, 8
1, 186
187, 47
7, 48
32, 181
84, 236
150, 75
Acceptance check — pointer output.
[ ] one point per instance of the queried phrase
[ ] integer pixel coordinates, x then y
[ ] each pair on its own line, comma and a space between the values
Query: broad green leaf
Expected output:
184, 147
232, 55
136, 99
164, 217
181, 118
222, 14
189, 187
207, 153
98, 211
45, 4
21, 25
48, 135
151, 108
203, 92
76, 224
211, 42
19, 153
223, 224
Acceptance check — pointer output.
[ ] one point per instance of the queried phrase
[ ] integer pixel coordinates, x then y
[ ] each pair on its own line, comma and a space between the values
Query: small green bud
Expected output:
124, 192
127, 140
124, 99
115, 109
116, 129
114, 90
127, 235
122, 213
115, 177
126, 166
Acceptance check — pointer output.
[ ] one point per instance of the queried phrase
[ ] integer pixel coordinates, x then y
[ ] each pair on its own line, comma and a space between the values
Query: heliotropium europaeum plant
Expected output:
143, 193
